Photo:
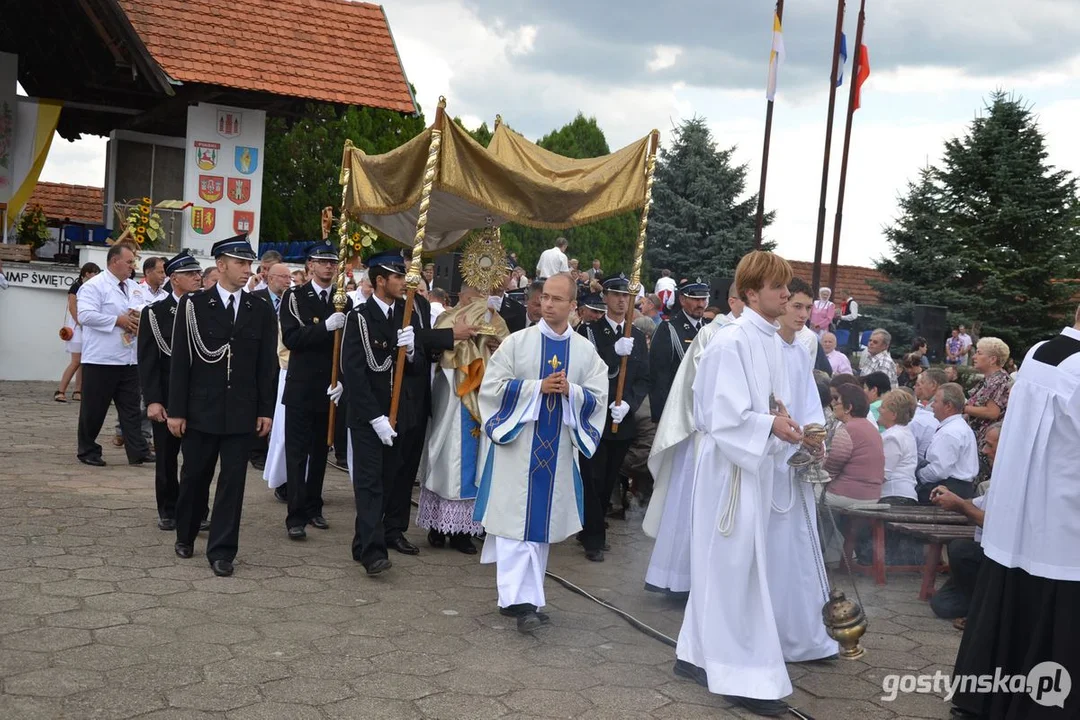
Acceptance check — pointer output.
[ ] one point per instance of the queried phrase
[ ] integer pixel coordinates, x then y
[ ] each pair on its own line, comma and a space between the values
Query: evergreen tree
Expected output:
698, 226
992, 234
303, 161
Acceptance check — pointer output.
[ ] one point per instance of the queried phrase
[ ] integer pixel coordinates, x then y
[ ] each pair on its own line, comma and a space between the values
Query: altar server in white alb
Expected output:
452, 450
1024, 612
729, 640
798, 583
671, 462
543, 400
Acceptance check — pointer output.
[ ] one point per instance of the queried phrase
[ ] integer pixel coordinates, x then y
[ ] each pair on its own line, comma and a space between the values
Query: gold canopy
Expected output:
475, 187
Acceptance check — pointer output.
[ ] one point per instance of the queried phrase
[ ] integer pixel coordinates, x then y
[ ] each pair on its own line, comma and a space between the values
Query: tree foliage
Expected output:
698, 225
303, 161
991, 234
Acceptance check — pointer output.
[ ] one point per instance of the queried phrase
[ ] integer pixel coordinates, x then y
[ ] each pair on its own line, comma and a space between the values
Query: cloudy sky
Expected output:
636, 65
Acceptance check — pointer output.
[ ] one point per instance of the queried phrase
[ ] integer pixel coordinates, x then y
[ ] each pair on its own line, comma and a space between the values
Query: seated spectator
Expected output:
876, 357
838, 360
901, 454
952, 459
965, 556
856, 460
876, 384
951, 374
988, 399
912, 369
831, 421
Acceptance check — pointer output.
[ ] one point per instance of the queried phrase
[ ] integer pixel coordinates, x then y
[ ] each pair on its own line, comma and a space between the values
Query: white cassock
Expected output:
729, 628
530, 492
274, 469
796, 569
671, 462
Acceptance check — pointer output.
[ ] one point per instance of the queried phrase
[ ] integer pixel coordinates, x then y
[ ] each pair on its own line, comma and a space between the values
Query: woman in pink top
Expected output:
821, 315
856, 460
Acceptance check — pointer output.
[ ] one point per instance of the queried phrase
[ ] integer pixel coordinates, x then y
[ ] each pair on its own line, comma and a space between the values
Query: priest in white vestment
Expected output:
671, 462
1026, 608
543, 400
729, 638
798, 582
452, 450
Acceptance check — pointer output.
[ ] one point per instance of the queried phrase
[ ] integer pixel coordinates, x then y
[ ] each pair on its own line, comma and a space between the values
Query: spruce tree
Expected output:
991, 233
700, 226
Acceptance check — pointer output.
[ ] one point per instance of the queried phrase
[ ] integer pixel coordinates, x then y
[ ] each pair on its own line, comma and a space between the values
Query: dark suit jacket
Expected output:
636, 387
368, 354
311, 347
513, 312
417, 389
664, 361
154, 364
212, 398
264, 294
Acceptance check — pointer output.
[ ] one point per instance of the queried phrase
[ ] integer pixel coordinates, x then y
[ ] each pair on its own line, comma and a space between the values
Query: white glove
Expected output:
619, 412
382, 428
335, 392
495, 302
335, 322
624, 346
406, 339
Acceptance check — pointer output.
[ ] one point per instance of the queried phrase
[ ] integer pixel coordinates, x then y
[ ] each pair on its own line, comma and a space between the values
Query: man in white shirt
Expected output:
849, 320
952, 459
876, 357
924, 424
1024, 609
439, 299
152, 287
665, 288
108, 313
362, 292
553, 261
258, 280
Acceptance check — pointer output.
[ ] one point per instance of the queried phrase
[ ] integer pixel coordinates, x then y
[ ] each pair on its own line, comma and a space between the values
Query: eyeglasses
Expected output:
834, 401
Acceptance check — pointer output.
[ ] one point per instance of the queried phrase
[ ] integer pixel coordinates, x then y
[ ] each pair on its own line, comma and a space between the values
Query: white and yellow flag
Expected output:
776, 56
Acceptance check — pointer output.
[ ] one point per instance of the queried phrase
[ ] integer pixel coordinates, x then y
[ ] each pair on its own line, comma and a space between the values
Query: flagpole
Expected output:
765, 151
856, 59
820, 241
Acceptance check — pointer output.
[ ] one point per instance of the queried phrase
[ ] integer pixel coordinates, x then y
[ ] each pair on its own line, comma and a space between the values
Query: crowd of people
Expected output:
536, 411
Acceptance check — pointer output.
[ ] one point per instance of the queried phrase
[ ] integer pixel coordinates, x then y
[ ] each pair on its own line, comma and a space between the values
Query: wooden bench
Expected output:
935, 536
877, 519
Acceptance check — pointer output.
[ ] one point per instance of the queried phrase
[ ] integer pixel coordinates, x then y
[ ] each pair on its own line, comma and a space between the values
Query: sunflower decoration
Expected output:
363, 241
144, 223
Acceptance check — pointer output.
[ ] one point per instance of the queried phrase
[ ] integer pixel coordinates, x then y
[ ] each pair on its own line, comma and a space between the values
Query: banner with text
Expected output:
223, 169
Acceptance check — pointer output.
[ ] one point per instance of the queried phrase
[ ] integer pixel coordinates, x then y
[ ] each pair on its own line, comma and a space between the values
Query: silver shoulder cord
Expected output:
294, 309
210, 357
675, 344
162, 345
369, 355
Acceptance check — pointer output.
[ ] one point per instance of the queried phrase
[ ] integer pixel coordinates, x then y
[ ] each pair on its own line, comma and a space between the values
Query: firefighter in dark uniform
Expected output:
601, 472
670, 341
510, 308
221, 390
369, 350
155, 350
308, 321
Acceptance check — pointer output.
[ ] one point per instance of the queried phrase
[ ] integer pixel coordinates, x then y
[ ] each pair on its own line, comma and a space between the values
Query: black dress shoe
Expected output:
167, 524
765, 708
184, 550
204, 525
297, 533
517, 610
258, 464
594, 555
95, 461
403, 546
528, 621
463, 543
379, 565
436, 539
222, 568
580, 537
691, 671
148, 459
280, 494
320, 522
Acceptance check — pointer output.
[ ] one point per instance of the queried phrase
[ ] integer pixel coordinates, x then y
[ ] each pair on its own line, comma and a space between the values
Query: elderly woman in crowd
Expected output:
901, 454
856, 460
822, 313
988, 399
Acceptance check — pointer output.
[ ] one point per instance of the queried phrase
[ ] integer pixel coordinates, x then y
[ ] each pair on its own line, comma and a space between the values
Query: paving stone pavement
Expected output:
99, 618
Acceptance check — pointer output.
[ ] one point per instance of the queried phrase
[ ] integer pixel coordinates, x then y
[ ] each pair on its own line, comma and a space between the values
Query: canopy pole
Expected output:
340, 298
639, 256
412, 279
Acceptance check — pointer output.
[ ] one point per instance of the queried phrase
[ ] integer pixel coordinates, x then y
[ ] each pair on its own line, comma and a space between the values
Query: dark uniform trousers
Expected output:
102, 385
374, 475
201, 454
305, 459
398, 497
599, 475
166, 470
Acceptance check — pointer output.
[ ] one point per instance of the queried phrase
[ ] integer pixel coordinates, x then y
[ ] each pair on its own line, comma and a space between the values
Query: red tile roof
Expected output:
328, 50
76, 203
852, 278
